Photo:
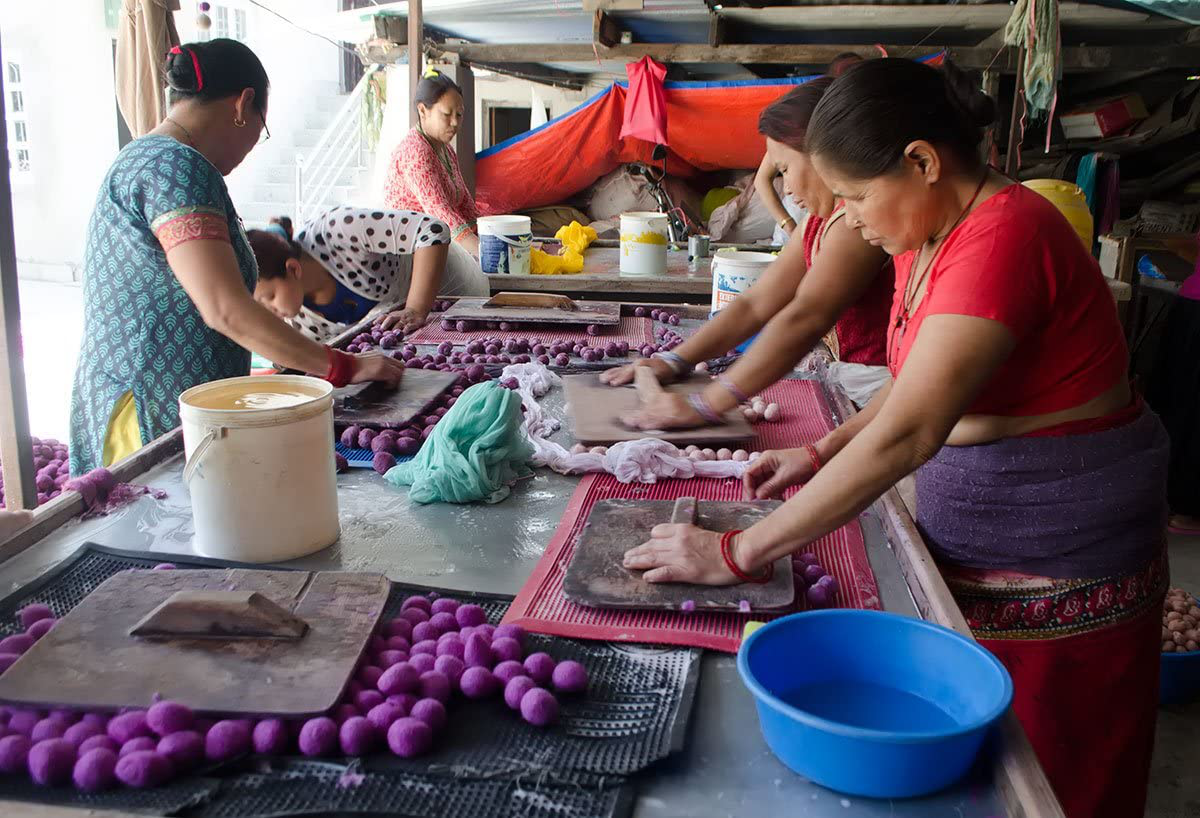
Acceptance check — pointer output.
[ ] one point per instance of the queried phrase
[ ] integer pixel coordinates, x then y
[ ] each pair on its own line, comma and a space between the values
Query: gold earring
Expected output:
239, 122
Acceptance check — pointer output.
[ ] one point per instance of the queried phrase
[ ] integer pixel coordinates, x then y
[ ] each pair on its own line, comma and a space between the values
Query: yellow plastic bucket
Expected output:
1071, 202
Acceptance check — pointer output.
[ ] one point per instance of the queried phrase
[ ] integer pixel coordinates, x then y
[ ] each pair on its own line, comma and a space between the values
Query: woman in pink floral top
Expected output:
424, 175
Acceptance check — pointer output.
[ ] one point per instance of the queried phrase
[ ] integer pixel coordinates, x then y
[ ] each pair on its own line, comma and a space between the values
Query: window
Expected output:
226, 22
221, 21
239, 24
19, 156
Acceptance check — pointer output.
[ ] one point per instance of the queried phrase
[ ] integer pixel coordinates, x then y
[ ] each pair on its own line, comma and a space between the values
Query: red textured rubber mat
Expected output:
542, 608
636, 331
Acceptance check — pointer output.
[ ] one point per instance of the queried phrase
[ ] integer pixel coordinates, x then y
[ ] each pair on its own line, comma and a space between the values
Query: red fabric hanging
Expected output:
646, 103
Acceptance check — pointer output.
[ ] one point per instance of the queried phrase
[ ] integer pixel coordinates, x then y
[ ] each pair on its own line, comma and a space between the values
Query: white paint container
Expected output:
734, 272
262, 480
643, 244
504, 244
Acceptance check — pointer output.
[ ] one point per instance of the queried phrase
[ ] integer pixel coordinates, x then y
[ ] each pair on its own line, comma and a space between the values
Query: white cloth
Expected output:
859, 381
642, 461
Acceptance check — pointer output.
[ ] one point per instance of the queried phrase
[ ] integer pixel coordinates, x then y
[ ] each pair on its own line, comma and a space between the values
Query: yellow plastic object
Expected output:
124, 436
750, 627
715, 198
575, 238
1071, 202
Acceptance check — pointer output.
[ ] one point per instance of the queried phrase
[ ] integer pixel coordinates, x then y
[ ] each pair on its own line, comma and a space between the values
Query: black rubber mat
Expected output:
486, 761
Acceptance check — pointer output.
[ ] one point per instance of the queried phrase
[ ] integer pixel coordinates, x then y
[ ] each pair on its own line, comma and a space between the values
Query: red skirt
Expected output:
1084, 660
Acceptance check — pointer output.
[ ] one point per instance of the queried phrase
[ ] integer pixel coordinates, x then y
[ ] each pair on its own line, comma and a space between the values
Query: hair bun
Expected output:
180, 71
285, 223
963, 90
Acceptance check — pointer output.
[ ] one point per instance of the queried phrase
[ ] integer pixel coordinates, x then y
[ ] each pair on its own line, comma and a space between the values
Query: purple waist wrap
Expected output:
1089, 505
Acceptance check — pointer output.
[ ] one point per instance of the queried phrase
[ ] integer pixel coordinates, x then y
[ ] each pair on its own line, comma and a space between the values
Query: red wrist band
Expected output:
727, 555
341, 367
813, 457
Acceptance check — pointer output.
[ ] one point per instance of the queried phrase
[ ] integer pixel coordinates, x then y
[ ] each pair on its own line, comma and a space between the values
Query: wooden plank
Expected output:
378, 405
965, 16
27, 809
613, 5
1075, 59
716, 29
15, 445
464, 140
605, 31
1012, 158
591, 312
1018, 774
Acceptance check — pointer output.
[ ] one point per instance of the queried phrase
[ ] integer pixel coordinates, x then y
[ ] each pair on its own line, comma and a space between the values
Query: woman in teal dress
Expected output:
168, 275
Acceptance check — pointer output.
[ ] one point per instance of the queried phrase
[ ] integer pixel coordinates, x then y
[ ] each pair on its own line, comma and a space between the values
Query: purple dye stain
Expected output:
744, 606
687, 606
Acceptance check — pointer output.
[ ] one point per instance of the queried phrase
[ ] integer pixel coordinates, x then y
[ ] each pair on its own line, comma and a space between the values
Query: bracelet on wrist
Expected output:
732, 388
341, 367
678, 364
813, 457
731, 564
697, 402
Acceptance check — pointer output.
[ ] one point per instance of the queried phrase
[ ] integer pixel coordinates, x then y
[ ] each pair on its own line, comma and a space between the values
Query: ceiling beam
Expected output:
1075, 59
605, 30
960, 16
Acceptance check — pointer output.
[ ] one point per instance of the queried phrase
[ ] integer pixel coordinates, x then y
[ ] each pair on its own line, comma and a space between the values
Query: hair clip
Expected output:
430, 73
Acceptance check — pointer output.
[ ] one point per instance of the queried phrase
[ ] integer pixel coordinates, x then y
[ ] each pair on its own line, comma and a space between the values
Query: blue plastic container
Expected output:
870, 703
1179, 677
744, 345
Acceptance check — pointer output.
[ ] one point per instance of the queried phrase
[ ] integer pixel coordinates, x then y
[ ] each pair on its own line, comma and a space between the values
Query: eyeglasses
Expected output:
266, 132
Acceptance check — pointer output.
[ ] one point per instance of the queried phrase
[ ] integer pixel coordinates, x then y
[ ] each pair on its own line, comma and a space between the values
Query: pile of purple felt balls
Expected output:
819, 586
413, 668
52, 466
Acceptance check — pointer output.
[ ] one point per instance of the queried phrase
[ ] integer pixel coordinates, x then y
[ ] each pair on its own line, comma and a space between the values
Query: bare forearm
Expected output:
428, 264
840, 436
764, 186
732, 325
256, 328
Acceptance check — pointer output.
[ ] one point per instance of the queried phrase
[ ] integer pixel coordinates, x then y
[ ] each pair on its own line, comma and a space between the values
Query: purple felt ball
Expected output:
478, 683
40, 628
47, 729
51, 762
318, 737
401, 678
81, 732
383, 715
570, 677
506, 649
444, 622
227, 739
431, 711
144, 770
470, 616
32, 613
17, 643
807, 559
14, 754
385, 442
409, 737
387, 658
368, 677
398, 627
511, 632
487, 631
476, 373
435, 685
340, 464
365, 437
127, 726
367, 699
516, 689
508, 670
640, 312
137, 745
415, 616
422, 662
65, 717
399, 643
451, 667
463, 326
812, 573
7, 660
345, 711
95, 770
818, 596
452, 647
99, 740
383, 462
478, 652
425, 646
357, 737
185, 749
539, 707
169, 717
540, 667
831, 585
424, 631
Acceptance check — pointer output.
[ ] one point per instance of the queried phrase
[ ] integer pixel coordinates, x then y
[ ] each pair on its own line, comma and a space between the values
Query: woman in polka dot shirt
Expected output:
347, 260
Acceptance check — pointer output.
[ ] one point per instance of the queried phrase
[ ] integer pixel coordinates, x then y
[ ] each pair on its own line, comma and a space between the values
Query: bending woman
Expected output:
168, 273
829, 278
347, 260
1040, 478
424, 174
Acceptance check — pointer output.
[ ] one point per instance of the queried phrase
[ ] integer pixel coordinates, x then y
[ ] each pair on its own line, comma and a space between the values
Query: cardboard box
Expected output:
1104, 118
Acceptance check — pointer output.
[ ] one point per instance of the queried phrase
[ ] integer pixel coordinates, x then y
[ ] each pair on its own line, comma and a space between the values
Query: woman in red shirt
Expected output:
1040, 477
424, 175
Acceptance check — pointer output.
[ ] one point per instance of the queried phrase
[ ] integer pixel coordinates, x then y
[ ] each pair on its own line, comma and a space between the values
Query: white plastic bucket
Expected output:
643, 244
262, 480
734, 272
504, 244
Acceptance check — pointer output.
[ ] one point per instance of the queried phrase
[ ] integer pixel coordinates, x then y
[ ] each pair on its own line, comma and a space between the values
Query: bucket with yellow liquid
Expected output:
1071, 202
260, 467
643, 244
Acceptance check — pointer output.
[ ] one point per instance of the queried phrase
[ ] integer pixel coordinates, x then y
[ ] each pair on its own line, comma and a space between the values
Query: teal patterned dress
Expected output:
142, 333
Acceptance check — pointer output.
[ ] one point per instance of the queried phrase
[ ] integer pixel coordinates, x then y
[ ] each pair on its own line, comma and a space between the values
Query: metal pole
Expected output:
416, 44
16, 446
1012, 159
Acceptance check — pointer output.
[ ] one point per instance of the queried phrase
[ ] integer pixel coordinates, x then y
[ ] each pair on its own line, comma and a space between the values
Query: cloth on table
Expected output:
475, 452
644, 460
575, 239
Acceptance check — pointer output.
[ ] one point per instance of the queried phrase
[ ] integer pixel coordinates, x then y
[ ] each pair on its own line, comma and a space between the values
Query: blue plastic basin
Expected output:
1179, 677
871, 703
744, 345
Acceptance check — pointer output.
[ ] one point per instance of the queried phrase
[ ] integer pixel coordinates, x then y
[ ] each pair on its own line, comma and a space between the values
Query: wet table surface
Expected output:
602, 274
726, 768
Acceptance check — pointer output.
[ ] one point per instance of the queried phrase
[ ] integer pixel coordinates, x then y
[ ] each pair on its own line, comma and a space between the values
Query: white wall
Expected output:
67, 74
500, 90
